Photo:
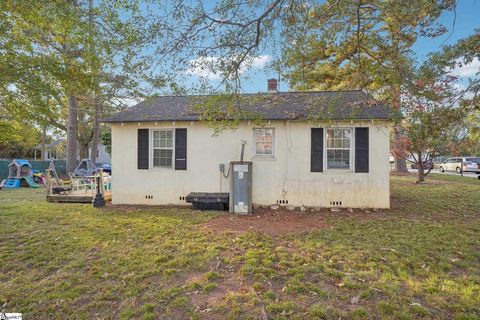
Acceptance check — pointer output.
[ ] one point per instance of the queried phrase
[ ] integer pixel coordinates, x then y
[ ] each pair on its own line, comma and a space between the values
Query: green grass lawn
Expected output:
454, 178
420, 260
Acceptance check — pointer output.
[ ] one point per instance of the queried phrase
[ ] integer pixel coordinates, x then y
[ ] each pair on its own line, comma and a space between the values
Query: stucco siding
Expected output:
286, 177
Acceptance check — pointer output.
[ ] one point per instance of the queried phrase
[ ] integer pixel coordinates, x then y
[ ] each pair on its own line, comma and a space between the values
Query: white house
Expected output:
56, 150
320, 149
102, 155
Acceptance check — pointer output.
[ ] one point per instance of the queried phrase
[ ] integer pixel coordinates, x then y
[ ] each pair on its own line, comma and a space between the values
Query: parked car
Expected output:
468, 164
437, 161
427, 164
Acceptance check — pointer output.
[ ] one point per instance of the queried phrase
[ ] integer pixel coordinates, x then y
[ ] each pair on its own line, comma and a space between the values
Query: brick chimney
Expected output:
272, 85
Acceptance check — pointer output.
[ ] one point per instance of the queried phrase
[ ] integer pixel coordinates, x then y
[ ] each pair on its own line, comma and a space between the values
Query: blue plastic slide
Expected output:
12, 183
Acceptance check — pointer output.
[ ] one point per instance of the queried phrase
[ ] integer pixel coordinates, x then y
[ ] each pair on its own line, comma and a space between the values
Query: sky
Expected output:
460, 25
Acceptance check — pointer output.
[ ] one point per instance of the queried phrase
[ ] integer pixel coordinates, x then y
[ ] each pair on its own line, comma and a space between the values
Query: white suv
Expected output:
468, 164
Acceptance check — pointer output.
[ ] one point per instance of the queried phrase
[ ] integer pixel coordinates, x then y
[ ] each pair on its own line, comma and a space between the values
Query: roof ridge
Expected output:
255, 93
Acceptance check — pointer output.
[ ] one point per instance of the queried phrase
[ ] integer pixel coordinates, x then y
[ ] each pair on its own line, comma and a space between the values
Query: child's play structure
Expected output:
86, 167
83, 186
79, 189
19, 175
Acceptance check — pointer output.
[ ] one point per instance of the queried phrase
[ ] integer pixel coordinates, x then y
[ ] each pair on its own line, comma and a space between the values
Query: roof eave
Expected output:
268, 119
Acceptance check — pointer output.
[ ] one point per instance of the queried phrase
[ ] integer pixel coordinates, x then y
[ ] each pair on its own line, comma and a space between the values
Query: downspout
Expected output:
243, 150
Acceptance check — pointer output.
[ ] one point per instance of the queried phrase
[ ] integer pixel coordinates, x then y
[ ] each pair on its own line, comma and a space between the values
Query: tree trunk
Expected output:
421, 169
421, 173
400, 163
44, 141
96, 123
96, 131
72, 134
83, 150
72, 125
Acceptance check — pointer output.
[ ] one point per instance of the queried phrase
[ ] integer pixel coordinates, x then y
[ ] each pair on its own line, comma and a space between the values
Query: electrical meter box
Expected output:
241, 187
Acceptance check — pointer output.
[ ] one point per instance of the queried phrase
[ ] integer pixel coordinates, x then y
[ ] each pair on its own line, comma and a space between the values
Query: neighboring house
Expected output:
161, 151
102, 154
56, 150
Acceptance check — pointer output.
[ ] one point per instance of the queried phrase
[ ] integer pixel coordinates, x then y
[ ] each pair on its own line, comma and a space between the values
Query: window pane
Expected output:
330, 133
338, 159
170, 139
166, 139
338, 143
263, 137
163, 139
264, 134
156, 139
330, 142
156, 158
264, 148
162, 158
166, 158
338, 138
342, 143
264, 141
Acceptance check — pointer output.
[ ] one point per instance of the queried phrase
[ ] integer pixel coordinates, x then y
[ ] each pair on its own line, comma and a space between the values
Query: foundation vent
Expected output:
335, 203
283, 201
148, 197
181, 198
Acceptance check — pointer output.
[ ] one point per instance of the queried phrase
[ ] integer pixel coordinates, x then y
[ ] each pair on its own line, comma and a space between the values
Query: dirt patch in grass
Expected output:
139, 207
271, 222
430, 182
402, 174
206, 300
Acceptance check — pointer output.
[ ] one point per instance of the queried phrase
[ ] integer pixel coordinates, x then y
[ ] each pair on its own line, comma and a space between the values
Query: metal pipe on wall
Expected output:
243, 149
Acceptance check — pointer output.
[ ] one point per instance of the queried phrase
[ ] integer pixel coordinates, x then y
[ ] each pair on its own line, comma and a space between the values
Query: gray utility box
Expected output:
241, 187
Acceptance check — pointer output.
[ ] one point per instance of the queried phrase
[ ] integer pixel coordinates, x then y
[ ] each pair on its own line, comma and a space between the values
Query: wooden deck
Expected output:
80, 189
76, 197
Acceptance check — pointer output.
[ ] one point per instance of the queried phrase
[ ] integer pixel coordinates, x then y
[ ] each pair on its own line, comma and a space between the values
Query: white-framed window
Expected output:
163, 148
264, 142
338, 147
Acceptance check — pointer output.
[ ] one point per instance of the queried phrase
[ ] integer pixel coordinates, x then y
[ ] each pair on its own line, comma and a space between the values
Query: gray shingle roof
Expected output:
334, 105
54, 144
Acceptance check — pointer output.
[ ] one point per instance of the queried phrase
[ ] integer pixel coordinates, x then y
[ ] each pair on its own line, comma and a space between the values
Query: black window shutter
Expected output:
181, 149
316, 160
361, 149
142, 149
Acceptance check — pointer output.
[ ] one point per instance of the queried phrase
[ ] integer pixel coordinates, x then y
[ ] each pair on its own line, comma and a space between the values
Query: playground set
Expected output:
20, 174
85, 184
